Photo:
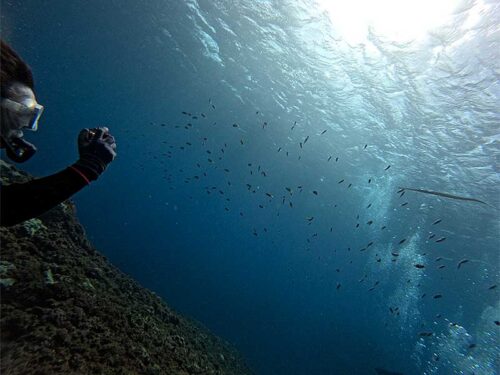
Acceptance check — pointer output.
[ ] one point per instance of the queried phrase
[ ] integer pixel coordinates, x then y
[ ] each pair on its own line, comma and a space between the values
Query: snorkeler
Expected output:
20, 111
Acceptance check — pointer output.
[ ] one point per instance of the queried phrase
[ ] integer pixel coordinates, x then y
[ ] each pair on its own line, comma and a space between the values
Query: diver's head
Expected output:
19, 108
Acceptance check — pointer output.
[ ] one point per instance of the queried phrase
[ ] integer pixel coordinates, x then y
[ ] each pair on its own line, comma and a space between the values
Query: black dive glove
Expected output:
97, 149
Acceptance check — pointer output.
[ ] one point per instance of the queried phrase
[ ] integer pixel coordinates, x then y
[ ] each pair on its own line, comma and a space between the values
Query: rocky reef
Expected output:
66, 310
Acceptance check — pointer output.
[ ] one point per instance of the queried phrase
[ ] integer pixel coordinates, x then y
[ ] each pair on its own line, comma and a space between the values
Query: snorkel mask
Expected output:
20, 111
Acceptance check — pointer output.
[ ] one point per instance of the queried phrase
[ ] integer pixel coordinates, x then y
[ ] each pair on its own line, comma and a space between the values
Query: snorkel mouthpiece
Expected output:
19, 150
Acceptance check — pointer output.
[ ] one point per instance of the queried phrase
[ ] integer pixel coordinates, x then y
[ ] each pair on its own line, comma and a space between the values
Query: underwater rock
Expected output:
66, 310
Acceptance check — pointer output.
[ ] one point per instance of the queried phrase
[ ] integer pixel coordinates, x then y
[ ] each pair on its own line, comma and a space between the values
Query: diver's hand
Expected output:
97, 148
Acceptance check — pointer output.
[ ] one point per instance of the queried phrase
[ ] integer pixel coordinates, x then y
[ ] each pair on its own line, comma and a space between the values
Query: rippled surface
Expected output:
428, 107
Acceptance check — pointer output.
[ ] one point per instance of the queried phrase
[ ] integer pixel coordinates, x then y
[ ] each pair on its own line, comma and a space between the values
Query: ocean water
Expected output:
233, 212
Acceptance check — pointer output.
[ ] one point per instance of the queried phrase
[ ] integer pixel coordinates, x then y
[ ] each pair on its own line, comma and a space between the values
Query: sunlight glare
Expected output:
399, 20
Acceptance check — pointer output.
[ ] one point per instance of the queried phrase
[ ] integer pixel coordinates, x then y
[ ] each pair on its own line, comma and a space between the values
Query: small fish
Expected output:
294, 124
324, 131
305, 140
404, 204
436, 222
420, 266
441, 239
383, 227
300, 144
203, 115
438, 259
401, 195
213, 107
279, 149
400, 191
402, 241
437, 296
364, 148
425, 334
369, 180
369, 205
338, 286
337, 158
441, 266
315, 192
432, 236
497, 322
349, 186
357, 225
395, 254
310, 218
369, 244
329, 158
492, 287
463, 261
369, 222
269, 195
386, 168
340, 181
235, 125
241, 141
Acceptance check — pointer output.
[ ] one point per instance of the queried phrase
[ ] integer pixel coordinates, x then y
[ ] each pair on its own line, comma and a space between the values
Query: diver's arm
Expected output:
23, 201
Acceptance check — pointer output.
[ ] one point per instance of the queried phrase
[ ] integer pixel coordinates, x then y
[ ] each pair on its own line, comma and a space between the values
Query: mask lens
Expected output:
33, 122
24, 117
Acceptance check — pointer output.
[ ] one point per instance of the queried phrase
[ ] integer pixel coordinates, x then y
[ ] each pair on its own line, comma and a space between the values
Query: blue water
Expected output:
291, 293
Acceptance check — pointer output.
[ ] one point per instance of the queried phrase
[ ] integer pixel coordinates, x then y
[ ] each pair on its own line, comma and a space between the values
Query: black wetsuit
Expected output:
24, 201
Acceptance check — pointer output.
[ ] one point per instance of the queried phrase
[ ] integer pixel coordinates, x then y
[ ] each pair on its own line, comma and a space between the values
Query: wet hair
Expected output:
13, 69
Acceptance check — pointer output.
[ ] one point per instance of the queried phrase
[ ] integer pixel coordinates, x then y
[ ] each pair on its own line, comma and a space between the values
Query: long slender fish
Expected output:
445, 195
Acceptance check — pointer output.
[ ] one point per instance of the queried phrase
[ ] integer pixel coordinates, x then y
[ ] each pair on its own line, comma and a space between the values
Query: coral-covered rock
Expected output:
66, 310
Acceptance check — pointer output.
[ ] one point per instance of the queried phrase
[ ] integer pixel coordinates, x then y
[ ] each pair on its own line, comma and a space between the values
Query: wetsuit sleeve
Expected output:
23, 201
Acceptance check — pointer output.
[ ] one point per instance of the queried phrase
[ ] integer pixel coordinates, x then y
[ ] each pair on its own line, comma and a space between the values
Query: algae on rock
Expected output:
66, 310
